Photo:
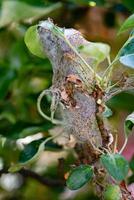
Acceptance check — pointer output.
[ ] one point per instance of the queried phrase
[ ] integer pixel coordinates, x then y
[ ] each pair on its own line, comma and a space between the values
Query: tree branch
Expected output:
26, 173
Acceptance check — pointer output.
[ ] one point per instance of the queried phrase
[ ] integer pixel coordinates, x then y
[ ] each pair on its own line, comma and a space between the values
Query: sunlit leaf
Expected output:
129, 123
129, 23
15, 11
112, 192
79, 176
116, 165
32, 42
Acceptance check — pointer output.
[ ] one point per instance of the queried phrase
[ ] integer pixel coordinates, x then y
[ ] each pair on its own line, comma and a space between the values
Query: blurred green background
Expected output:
22, 78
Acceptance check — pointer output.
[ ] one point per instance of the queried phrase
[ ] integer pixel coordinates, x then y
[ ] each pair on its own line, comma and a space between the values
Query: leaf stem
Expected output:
109, 60
109, 69
84, 62
115, 144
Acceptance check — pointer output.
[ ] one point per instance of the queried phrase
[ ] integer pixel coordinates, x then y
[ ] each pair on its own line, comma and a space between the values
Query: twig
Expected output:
41, 179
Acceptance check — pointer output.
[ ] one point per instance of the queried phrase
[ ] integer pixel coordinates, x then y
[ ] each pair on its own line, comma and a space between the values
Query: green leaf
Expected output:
129, 124
33, 149
116, 165
29, 151
112, 192
118, 102
129, 23
79, 176
16, 11
32, 42
97, 51
126, 54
